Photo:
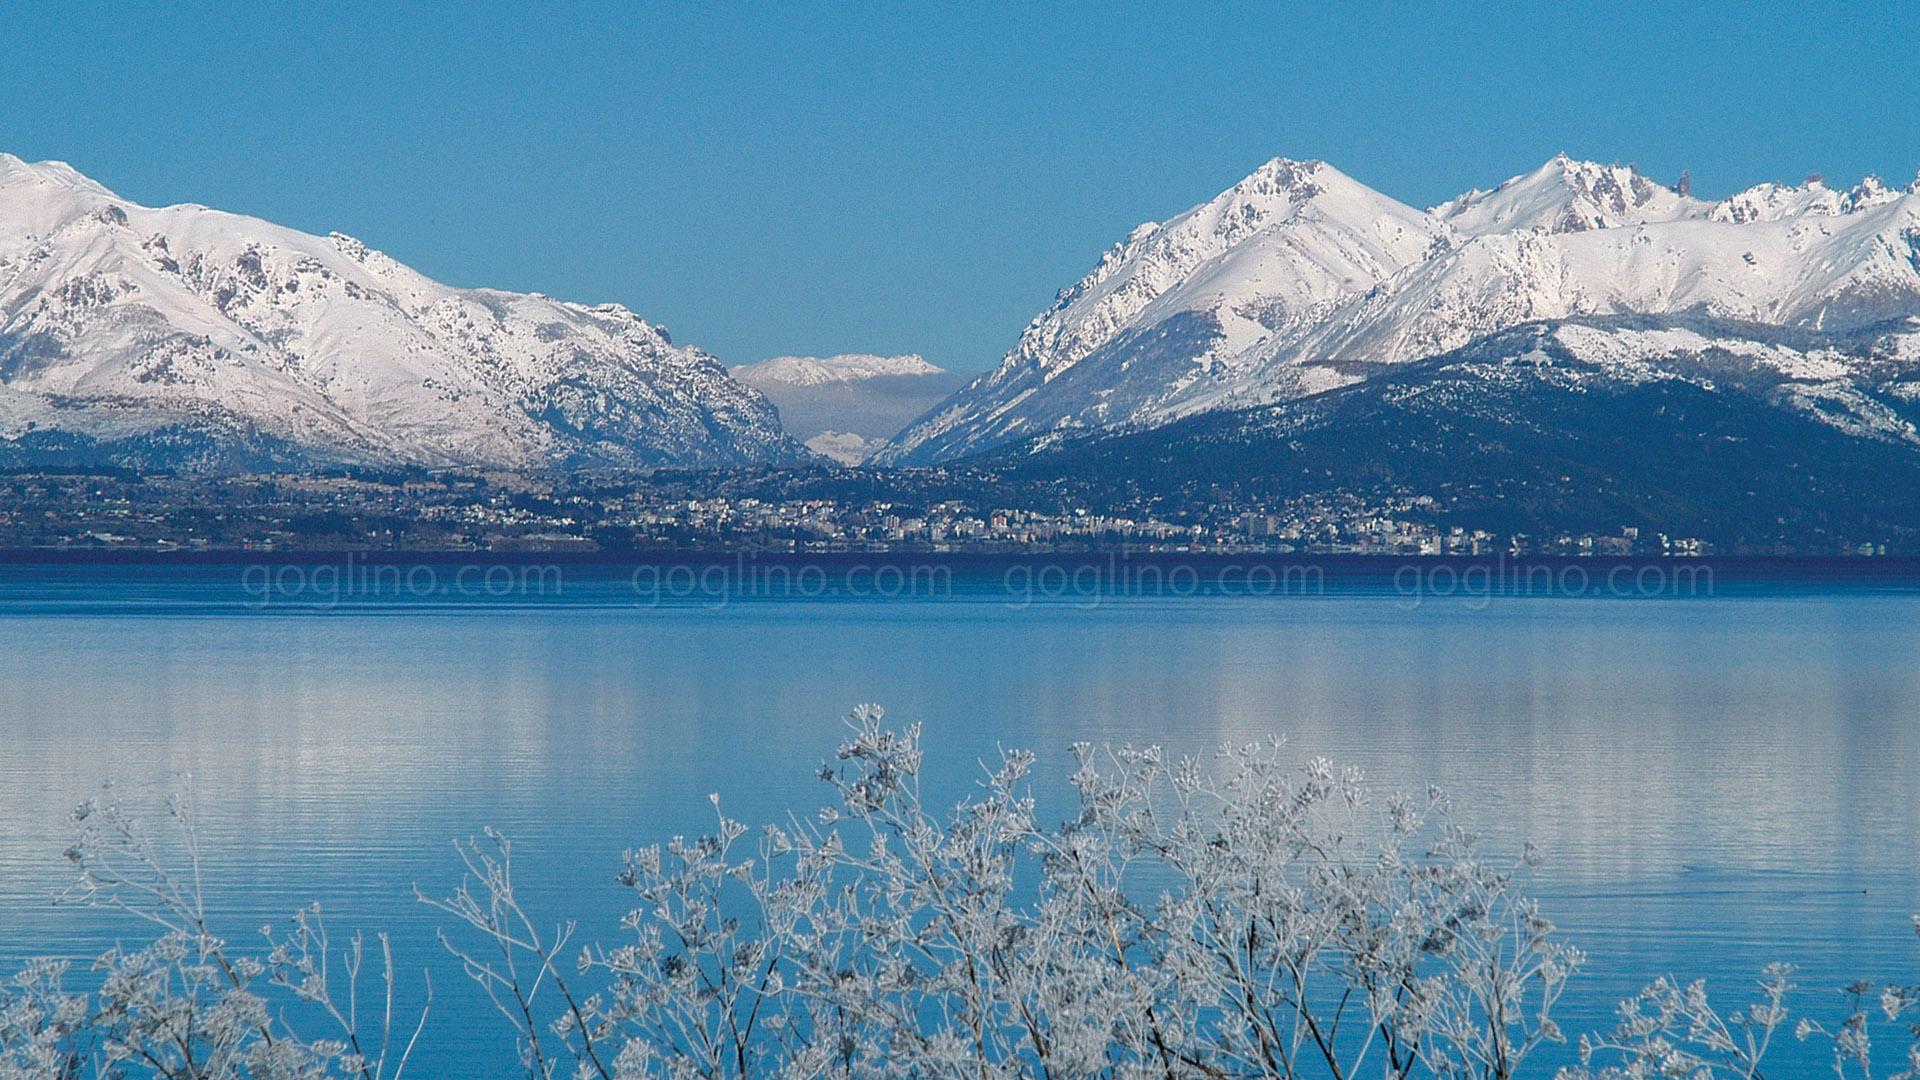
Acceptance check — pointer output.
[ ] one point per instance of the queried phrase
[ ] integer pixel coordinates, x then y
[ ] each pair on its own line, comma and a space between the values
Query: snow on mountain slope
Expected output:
132, 327
1861, 384
1268, 254
1566, 196
845, 407
1299, 280
1751, 436
1772, 202
1814, 270
821, 370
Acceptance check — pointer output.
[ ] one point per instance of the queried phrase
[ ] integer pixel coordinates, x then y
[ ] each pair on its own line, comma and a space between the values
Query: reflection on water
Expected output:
1717, 783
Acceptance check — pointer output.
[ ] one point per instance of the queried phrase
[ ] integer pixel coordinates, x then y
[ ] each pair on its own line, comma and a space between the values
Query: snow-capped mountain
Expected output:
1166, 309
844, 368
1299, 280
845, 407
189, 337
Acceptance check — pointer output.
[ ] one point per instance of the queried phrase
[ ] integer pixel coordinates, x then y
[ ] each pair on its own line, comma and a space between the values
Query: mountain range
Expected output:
1299, 280
1578, 346
184, 337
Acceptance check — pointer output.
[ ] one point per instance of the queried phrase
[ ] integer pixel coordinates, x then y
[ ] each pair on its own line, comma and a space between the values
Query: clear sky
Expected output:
904, 177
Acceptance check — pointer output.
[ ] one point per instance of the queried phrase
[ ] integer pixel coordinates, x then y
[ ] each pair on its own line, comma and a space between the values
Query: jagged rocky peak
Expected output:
1777, 202
1273, 191
1567, 195
1870, 191
1286, 178
1284, 188
350, 246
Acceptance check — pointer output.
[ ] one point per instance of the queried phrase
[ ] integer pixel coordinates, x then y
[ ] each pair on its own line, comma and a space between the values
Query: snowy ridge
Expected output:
1566, 196
822, 370
1299, 280
136, 327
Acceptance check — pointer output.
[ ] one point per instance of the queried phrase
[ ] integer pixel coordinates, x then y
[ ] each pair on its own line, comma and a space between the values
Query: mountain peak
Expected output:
1288, 240
17, 171
1592, 176
1288, 172
1291, 182
1569, 195
1282, 163
1871, 191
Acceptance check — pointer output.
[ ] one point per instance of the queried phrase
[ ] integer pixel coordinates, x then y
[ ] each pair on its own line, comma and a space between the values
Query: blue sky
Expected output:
908, 177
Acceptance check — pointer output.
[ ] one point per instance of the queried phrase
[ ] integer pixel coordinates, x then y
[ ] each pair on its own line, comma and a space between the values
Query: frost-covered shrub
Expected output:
1668, 1030
1255, 918
190, 1005
1252, 916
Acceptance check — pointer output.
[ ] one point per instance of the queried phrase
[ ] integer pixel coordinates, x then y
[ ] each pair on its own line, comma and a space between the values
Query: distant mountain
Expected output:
187, 337
1744, 434
844, 407
1299, 280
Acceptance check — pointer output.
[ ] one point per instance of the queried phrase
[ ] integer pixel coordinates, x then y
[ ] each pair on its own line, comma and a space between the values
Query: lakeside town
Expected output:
827, 511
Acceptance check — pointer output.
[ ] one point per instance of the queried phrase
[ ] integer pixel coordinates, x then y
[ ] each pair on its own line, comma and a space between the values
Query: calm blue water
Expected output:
1719, 780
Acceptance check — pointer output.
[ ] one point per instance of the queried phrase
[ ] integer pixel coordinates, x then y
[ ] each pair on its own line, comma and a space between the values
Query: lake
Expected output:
1721, 774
